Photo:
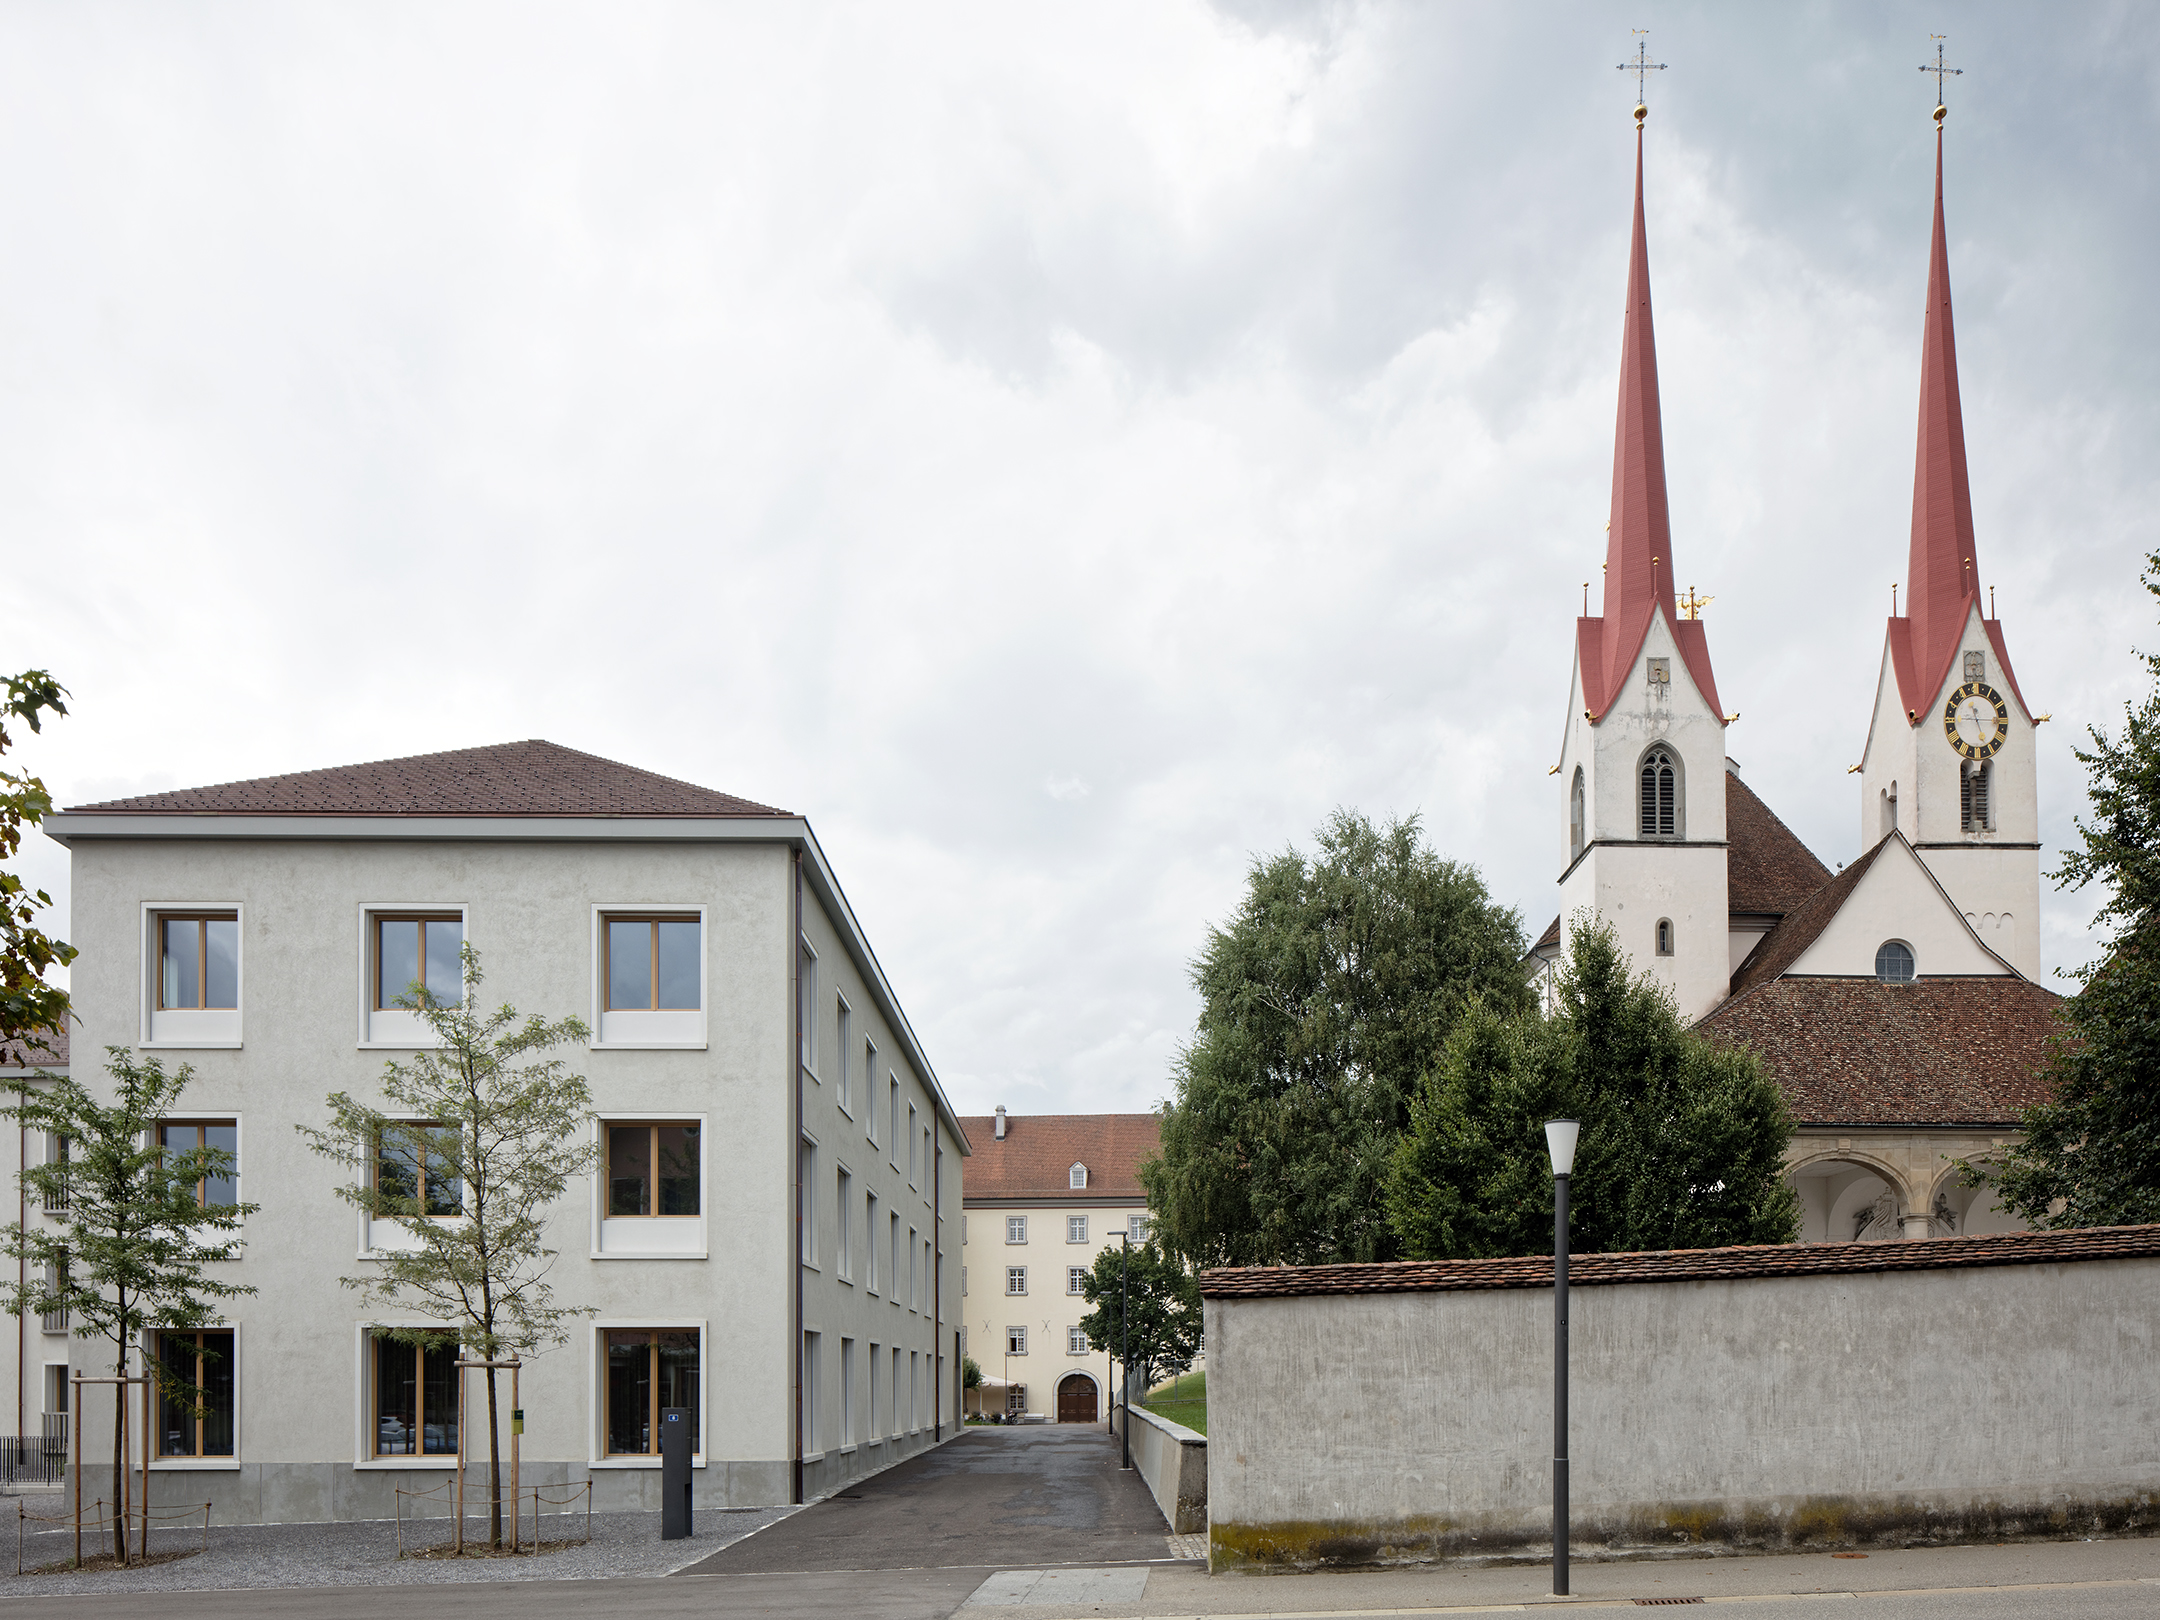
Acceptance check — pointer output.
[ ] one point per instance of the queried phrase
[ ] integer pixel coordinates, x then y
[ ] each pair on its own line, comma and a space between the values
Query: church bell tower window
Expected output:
1576, 818
1975, 778
1660, 794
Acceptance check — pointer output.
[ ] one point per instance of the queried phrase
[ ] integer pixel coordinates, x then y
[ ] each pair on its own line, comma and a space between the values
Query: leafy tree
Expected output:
1327, 996
1165, 1310
1683, 1139
502, 1133
128, 1249
2094, 1145
28, 1005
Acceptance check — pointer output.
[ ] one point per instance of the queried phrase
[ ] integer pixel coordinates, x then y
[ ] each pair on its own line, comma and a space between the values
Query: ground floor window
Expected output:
649, 1369
195, 1396
416, 1406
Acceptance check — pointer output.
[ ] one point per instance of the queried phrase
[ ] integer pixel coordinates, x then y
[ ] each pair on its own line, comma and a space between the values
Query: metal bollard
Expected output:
674, 1472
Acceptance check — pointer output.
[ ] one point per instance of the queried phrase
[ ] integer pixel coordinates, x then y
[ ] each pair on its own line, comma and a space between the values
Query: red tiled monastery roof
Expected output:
533, 778
1040, 1149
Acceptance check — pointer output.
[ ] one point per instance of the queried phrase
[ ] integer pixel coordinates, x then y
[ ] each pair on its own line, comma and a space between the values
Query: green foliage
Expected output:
505, 1130
124, 1249
970, 1373
1164, 1307
1329, 994
28, 1005
1682, 1145
2094, 1146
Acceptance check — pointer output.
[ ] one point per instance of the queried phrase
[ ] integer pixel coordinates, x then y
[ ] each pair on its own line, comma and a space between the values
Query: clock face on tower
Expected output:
1976, 720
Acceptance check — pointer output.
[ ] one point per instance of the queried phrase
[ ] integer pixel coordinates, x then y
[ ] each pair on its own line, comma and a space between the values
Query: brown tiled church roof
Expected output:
1039, 1149
1783, 945
533, 778
1948, 1051
1688, 1265
1767, 869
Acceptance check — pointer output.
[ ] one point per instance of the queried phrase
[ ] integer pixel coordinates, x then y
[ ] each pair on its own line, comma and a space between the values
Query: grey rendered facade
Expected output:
815, 1363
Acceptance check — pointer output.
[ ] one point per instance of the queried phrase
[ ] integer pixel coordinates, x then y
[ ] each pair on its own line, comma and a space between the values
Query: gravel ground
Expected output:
365, 1554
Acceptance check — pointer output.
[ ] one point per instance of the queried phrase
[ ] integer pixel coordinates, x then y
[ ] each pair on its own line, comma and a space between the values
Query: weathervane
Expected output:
1941, 73
1642, 67
1691, 605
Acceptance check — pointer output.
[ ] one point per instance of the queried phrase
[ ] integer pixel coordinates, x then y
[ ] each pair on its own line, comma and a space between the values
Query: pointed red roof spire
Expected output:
1639, 570
1944, 572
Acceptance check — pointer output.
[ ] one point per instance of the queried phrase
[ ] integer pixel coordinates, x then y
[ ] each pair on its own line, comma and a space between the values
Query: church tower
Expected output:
1644, 755
1950, 756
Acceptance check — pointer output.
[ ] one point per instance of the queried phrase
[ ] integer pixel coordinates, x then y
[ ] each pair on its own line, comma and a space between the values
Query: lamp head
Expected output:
1560, 1135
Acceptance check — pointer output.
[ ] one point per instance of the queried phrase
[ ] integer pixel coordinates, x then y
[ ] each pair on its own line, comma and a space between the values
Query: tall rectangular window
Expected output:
416, 1405
1076, 1229
653, 1169
806, 1200
872, 1370
1075, 1279
896, 1392
846, 1052
201, 1365
894, 1144
812, 1372
914, 1163
223, 1134
1016, 1279
1075, 1342
914, 1282
414, 1174
914, 1388
847, 1392
844, 1225
870, 1237
869, 1090
806, 1007
198, 961
1016, 1341
418, 953
649, 1370
653, 964
894, 1287
1016, 1229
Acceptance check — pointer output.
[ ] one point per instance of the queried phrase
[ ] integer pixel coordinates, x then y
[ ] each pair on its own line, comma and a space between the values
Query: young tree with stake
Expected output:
487, 1134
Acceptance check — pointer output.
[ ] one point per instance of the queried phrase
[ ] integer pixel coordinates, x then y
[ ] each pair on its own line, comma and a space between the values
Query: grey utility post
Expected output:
1560, 1135
674, 1472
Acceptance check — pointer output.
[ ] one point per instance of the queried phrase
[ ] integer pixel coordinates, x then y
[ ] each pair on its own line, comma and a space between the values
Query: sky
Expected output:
1065, 451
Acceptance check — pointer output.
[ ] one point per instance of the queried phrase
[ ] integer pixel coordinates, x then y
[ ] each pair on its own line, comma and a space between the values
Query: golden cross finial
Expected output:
1941, 73
1642, 67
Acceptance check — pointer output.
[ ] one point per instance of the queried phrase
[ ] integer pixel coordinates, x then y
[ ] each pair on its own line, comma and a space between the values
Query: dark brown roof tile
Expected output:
1040, 1149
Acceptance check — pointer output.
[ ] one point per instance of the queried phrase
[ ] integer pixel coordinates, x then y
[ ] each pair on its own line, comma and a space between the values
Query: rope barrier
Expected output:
573, 1491
149, 1518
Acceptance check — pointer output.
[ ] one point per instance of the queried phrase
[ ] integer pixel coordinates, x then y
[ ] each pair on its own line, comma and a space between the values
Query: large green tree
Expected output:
28, 1005
2090, 1155
1157, 1297
1683, 1139
1330, 992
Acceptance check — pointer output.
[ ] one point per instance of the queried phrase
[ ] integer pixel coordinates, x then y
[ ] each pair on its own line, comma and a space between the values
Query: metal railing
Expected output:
36, 1459
54, 1321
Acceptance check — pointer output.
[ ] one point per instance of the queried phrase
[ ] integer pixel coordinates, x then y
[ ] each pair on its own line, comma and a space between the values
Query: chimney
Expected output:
1001, 1122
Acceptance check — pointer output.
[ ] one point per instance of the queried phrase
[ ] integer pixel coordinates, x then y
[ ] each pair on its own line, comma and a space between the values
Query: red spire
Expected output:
1638, 554
1943, 578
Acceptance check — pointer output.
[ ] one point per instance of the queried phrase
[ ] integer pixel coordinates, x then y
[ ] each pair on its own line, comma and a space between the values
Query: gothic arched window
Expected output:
1894, 962
1577, 821
1975, 778
1660, 794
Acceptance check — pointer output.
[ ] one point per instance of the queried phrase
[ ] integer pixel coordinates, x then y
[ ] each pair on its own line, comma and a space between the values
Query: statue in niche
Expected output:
1877, 1220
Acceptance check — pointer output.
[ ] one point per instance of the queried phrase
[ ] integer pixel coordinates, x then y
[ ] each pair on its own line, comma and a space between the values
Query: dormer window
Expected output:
1076, 1178
1660, 794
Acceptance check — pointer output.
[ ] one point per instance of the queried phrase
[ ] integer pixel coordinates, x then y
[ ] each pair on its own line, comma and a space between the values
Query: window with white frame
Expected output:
1016, 1279
1136, 1228
870, 1239
415, 952
1076, 1279
1016, 1341
893, 1287
196, 1402
872, 1369
843, 1226
1076, 1228
847, 1392
844, 1056
413, 1397
415, 1169
1076, 1343
651, 977
914, 1158
893, 1082
654, 1169
869, 1089
806, 1198
896, 1392
1016, 1229
193, 994
806, 1008
1076, 1178
914, 1274
220, 1136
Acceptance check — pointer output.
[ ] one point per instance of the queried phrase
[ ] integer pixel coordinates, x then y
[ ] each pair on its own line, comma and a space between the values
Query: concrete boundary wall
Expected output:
1896, 1393
1173, 1461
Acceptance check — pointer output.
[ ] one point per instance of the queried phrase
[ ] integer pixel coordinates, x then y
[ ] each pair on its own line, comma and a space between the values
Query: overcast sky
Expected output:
1062, 450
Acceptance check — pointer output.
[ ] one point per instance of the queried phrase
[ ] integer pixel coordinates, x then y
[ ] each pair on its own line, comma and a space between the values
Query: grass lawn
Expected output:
1182, 1400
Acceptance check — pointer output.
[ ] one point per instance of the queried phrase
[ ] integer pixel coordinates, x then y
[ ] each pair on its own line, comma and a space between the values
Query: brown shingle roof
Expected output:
1688, 1265
533, 778
1964, 1051
47, 1050
1039, 1149
1781, 947
1767, 868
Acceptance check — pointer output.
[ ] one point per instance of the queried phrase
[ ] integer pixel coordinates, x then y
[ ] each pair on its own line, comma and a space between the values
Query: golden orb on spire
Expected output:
1641, 112
1941, 112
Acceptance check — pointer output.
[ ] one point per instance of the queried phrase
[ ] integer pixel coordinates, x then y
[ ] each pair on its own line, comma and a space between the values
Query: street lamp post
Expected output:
1560, 1135
1125, 1343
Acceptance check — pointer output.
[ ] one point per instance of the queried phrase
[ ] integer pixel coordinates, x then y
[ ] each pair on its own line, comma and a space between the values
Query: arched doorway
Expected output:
1076, 1399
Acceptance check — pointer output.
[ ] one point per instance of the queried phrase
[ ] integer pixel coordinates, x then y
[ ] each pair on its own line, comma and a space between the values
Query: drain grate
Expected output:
1659, 1603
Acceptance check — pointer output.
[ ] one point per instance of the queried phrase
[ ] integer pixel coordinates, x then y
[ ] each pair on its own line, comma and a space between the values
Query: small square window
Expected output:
1076, 1229
654, 1170
1016, 1229
1076, 1279
414, 953
1016, 1279
653, 964
198, 962
223, 1135
416, 1171
1016, 1341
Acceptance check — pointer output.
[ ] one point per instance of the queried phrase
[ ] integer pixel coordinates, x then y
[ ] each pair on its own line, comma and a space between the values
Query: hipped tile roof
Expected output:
1801, 926
532, 778
1039, 1149
1687, 1265
1949, 1051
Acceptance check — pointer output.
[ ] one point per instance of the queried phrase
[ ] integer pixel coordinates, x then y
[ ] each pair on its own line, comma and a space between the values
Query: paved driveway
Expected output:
994, 1498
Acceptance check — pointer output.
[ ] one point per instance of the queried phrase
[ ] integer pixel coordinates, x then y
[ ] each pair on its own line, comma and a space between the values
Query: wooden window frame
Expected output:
420, 1455
653, 919
652, 1386
202, 958
420, 1190
652, 1128
198, 1126
375, 954
232, 1350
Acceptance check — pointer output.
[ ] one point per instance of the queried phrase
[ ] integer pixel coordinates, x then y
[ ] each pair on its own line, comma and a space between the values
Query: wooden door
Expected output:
1076, 1399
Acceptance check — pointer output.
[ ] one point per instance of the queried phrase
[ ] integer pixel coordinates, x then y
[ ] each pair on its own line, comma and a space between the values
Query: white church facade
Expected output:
1895, 1001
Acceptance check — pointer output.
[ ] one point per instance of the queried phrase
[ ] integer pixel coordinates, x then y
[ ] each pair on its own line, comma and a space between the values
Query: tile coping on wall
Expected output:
1687, 1265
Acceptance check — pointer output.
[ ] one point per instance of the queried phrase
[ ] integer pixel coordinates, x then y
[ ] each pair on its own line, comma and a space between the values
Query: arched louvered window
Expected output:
1660, 794
1577, 818
1975, 778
